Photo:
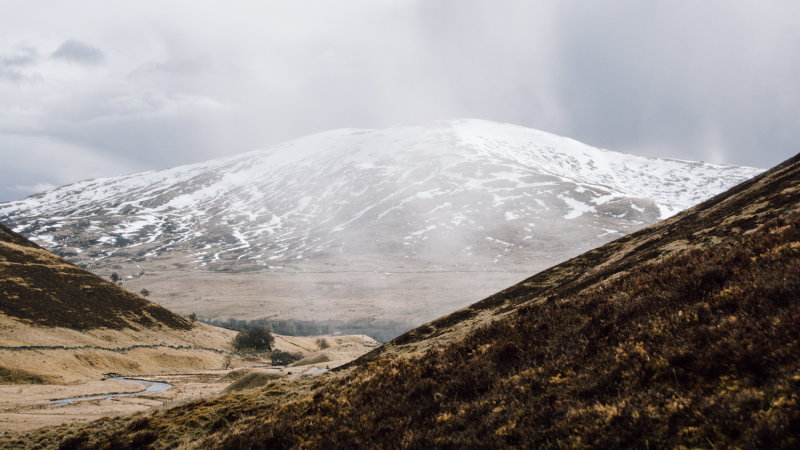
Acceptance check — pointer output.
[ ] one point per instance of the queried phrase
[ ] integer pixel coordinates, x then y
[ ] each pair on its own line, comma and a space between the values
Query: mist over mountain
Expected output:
679, 335
450, 196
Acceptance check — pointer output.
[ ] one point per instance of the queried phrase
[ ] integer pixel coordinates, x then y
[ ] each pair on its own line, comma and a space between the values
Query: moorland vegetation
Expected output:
254, 339
45, 290
684, 335
695, 350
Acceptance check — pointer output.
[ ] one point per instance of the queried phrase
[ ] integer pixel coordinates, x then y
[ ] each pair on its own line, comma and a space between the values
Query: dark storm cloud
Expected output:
79, 53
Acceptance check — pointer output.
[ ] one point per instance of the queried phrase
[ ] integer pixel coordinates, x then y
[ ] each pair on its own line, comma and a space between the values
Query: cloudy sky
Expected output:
99, 88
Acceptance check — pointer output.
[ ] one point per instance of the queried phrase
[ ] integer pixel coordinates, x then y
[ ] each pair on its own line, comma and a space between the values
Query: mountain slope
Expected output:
61, 324
43, 289
467, 198
736, 211
696, 350
682, 335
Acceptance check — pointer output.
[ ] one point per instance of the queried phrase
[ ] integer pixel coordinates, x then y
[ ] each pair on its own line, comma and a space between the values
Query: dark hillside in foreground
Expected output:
734, 212
41, 288
683, 335
698, 349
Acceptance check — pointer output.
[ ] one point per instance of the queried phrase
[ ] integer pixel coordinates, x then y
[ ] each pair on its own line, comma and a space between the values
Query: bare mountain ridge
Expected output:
467, 204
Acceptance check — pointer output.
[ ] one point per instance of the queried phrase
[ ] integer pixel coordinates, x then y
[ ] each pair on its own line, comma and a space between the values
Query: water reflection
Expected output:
153, 387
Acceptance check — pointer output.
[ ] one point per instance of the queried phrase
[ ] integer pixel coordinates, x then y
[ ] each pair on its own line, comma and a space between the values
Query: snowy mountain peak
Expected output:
465, 194
439, 149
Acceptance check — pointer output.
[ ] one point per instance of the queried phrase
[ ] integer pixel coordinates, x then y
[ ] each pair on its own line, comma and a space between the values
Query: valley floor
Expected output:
26, 407
413, 296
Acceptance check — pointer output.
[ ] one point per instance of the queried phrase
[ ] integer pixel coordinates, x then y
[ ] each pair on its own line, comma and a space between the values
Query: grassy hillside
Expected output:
739, 210
41, 288
683, 335
61, 324
699, 349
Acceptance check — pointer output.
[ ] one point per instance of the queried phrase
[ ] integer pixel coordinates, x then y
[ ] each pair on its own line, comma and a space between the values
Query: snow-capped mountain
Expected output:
319, 193
471, 194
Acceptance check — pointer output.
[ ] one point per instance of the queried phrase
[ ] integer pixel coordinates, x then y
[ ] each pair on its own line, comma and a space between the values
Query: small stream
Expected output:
153, 387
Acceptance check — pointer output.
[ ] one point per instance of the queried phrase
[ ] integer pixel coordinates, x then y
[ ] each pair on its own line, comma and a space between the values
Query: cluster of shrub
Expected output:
256, 339
260, 340
380, 330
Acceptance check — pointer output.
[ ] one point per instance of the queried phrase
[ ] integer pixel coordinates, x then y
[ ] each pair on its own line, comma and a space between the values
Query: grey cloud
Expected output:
79, 53
32, 163
496, 57
184, 66
708, 80
25, 57
11, 66
714, 80
12, 75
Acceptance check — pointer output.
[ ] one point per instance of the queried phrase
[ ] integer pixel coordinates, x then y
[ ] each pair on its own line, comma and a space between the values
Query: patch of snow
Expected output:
578, 207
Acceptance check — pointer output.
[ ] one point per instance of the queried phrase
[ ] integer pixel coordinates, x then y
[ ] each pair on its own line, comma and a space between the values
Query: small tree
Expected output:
114, 277
226, 361
256, 339
144, 292
193, 317
322, 343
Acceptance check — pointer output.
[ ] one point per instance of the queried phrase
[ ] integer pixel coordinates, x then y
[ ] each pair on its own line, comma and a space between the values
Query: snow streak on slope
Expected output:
480, 190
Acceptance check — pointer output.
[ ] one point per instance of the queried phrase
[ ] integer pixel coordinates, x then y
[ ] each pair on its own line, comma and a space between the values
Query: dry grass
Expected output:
253, 380
234, 375
693, 350
626, 346
13, 375
43, 289
696, 350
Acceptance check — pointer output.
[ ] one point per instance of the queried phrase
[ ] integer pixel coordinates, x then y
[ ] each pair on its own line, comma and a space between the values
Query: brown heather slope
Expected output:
41, 288
734, 212
60, 324
683, 335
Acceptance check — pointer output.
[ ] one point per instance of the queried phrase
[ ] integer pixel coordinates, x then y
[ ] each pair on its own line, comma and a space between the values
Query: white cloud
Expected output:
168, 83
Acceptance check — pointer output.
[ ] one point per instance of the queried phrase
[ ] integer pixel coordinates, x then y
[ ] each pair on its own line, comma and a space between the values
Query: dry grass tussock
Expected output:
694, 350
252, 380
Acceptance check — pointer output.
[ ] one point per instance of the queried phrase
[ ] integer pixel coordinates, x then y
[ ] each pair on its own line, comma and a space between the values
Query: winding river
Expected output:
153, 387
